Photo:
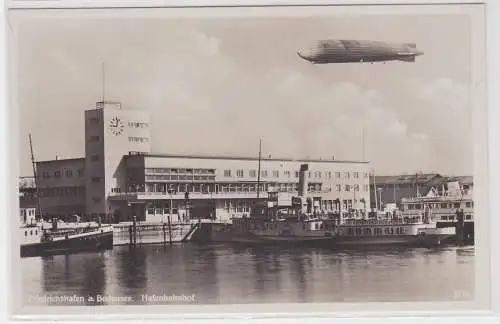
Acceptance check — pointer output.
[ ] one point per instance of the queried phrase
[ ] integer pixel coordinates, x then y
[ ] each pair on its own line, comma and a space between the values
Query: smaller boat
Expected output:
39, 241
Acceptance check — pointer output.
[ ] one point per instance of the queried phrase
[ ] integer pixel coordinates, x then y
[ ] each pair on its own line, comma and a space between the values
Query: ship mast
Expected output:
258, 169
37, 193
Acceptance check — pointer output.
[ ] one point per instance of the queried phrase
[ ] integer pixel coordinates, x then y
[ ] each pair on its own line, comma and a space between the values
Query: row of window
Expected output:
180, 178
138, 125
179, 171
62, 191
68, 173
231, 206
467, 204
233, 187
313, 175
451, 217
376, 231
138, 139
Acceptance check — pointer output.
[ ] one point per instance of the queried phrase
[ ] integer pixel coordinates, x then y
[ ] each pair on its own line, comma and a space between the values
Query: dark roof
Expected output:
407, 185
246, 158
469, 180
404, 179
62, 160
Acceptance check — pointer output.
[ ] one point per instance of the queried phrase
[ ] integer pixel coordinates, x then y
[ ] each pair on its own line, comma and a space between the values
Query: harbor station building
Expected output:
119, 177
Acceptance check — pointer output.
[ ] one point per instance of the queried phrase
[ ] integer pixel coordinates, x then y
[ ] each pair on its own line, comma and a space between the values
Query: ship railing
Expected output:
437, 198
381, 221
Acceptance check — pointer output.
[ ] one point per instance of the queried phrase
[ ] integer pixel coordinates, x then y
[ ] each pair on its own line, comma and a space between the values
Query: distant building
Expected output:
119, 177
391, 189
27, 192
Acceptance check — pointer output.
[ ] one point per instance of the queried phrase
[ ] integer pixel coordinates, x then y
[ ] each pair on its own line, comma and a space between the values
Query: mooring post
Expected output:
459, 229
169, 230
130, 234
164, 227
134, 227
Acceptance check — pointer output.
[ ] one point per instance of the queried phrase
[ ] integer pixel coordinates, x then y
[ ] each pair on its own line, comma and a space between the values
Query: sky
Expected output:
215, 86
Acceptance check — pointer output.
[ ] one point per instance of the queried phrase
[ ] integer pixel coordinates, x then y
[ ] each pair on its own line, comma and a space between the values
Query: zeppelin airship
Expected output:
347, 51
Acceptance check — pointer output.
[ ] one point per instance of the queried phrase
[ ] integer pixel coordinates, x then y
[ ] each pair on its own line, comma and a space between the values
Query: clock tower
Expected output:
110, 133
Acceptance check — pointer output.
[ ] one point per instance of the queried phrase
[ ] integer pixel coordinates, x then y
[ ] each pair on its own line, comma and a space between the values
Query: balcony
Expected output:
450, 198
180, 196
135, 196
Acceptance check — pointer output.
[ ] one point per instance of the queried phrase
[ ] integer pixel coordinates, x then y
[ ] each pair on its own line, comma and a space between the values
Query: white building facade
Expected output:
119, 177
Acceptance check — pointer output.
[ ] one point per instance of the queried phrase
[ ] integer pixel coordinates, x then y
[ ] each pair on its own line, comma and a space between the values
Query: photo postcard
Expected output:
316, 159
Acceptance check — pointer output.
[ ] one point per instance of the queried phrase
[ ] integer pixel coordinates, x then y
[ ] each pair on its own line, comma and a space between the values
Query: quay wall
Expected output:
151, 233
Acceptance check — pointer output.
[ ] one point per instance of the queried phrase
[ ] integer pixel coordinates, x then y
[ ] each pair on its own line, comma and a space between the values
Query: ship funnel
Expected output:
303, 181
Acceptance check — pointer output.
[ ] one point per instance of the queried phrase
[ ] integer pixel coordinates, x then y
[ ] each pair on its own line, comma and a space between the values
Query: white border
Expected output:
493, 85
31, 4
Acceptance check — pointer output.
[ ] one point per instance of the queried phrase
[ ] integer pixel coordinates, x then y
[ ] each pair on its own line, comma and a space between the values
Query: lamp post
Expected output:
380, 197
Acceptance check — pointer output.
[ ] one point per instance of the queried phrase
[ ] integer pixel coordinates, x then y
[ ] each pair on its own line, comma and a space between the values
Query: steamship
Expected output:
38, 239
294, 223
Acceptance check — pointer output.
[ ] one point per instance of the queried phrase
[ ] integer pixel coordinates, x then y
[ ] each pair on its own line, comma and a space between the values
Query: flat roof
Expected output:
61, 160
243, 158
434, 178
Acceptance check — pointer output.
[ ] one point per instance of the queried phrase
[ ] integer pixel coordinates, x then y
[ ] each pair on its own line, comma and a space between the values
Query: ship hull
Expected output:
264, 240
393, 240
92, 242
335, 242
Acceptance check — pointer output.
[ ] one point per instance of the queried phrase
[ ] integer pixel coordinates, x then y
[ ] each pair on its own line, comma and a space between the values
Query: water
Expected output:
229, 275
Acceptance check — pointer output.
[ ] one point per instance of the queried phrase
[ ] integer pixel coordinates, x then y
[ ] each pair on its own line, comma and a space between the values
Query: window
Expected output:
337, 175
347, 188
263, 173
287, 173
468, 204
227, 173
138, 124
239, 173
296, 174
276, 174
356, 187
317, 174
366, 175
356, 175
94, 158
347, 175
329, 174
339, 187
69, 173
253, 173
138, 139
57, 174
366, 187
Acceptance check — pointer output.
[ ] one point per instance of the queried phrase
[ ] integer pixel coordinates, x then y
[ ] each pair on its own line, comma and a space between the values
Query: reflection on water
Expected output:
222, 274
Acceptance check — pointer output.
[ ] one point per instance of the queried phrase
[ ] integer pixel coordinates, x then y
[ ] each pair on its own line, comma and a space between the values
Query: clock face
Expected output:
116, 126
